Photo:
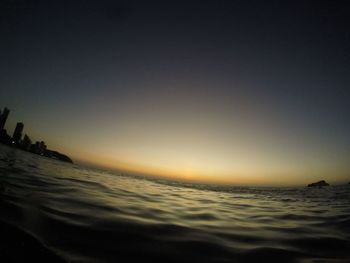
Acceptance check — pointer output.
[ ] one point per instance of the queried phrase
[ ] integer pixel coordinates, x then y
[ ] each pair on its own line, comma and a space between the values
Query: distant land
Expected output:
25, 143
318, 184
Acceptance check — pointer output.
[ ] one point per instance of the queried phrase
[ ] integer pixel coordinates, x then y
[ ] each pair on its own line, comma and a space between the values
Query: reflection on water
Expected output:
88, 215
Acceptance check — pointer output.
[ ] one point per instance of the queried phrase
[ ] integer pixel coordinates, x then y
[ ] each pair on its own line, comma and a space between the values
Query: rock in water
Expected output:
319, 184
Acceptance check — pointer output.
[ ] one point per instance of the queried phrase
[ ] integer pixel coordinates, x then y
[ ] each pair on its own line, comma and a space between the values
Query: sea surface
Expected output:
90, 215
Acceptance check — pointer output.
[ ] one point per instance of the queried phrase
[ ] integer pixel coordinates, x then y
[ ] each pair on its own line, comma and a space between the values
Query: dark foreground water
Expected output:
86, 215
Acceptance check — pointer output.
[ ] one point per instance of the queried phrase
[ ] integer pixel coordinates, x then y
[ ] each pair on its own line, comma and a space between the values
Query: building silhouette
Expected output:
38, 148
3, 118
4, 137
17, 134
26, 143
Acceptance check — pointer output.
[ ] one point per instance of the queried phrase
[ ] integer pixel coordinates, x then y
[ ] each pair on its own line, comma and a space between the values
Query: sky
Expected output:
239, 92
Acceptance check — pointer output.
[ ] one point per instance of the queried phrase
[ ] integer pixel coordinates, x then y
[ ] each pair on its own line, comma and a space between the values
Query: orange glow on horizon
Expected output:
244, 177
202, 138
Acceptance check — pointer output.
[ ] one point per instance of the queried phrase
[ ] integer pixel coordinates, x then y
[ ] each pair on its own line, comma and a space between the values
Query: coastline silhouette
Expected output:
25, 144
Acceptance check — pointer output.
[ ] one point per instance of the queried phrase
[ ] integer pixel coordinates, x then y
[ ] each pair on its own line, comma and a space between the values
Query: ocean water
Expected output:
87, 215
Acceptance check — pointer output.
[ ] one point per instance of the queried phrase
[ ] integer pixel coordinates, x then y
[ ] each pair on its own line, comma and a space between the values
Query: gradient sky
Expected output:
245, 92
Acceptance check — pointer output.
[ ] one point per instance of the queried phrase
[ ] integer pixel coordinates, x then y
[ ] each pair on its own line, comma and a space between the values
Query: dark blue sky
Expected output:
109, 79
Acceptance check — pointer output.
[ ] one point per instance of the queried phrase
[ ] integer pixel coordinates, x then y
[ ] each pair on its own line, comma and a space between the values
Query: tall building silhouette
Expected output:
3, 118
17, 134
26, 143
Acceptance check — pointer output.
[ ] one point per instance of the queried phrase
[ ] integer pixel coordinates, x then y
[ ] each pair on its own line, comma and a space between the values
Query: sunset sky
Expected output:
241, 92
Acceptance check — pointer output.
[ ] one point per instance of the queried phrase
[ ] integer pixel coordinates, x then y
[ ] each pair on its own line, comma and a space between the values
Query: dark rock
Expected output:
318, 184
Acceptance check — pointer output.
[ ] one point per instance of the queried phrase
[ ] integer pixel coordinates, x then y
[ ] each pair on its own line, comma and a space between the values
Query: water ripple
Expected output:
88, 215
